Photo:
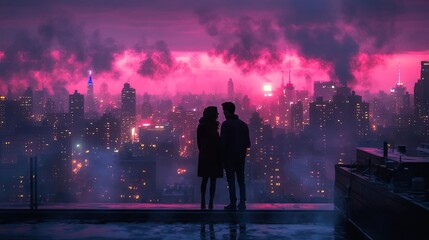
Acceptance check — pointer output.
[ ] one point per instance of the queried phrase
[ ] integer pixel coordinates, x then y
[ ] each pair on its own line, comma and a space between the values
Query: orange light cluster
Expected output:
76, 166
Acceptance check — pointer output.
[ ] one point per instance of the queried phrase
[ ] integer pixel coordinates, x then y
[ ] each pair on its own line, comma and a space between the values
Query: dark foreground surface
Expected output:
165, 222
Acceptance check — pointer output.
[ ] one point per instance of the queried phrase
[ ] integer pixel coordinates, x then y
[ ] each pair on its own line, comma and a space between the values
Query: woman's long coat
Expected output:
209, 163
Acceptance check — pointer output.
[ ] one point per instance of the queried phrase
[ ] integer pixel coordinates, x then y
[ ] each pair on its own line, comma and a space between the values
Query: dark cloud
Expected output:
24, 54
158, 62
336, 32
248, 43
65, 34
101, 52
333, 32
210, 20
308, 12
374, 19
325, 46
28, 52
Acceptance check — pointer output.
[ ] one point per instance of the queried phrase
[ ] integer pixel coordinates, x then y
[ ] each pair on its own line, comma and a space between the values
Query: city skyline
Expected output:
162, 48
145, 151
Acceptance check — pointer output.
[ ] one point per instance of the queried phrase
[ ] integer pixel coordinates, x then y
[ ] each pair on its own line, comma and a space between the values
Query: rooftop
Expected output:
255, 213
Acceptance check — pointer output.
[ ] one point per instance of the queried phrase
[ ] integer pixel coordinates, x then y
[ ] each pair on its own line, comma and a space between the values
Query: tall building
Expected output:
90, 101
76, 108
128, 113
296, 117
286, 98
104, 132
49, 107
147, 109
421, 101
399, 95
184, 124
230, 90
326, 90
339, 124
263, 163
39, 99
2, 112
26, 103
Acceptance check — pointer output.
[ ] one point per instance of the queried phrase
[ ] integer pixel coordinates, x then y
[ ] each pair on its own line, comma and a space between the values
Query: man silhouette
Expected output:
234, 143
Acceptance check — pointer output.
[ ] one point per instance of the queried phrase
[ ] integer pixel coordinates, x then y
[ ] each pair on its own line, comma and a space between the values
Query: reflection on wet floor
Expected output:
185, 231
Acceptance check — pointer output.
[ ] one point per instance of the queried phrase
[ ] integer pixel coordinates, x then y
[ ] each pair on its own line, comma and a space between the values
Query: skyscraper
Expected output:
421, 91
296, 115
398, 94
128, 112
421, 100
230, 89
76, 108
39, 99
286, 98
26, 103
90, 101
2, 112
147, 110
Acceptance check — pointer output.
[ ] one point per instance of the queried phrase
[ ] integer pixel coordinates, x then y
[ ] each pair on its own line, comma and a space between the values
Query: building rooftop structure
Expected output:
385, 193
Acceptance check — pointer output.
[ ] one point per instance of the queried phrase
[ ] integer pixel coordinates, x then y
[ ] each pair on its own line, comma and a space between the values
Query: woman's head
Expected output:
210, 113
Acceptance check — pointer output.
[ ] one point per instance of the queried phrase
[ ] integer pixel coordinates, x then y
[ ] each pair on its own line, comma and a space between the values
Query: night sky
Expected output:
164, 47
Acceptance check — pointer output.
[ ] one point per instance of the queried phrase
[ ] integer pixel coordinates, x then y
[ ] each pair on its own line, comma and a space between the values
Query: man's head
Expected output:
228, 108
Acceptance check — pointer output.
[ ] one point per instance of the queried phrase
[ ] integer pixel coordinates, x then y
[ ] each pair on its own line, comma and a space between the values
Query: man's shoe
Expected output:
241, 206
230, 207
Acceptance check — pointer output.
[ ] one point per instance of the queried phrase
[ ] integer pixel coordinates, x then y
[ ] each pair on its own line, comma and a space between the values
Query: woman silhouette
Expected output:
209, 164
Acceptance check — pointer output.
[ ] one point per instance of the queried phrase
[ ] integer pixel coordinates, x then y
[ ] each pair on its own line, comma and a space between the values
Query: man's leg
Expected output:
241, 185
230, 178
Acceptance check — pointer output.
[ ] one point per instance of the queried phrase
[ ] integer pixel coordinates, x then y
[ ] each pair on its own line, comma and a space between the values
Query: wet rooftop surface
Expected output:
173, 221
157, 206
255, 213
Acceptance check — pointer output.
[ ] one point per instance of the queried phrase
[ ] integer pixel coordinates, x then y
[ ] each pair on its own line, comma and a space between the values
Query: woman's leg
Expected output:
212, 191
203, 192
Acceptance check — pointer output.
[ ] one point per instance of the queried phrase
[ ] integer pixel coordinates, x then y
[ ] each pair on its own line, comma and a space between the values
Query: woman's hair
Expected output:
210, 115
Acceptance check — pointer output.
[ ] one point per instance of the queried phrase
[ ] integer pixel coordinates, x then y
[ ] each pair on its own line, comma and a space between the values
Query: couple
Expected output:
225, 151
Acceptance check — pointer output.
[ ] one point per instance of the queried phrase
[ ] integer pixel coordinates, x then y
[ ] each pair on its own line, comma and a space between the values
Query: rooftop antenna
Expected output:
289, 71
283, 80
399, 74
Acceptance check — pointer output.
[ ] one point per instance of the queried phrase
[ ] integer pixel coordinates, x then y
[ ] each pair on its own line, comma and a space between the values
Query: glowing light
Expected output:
268, 87
76, 166
181, 171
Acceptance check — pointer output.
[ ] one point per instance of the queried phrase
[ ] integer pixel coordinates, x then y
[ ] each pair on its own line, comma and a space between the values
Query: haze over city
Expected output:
163, 47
